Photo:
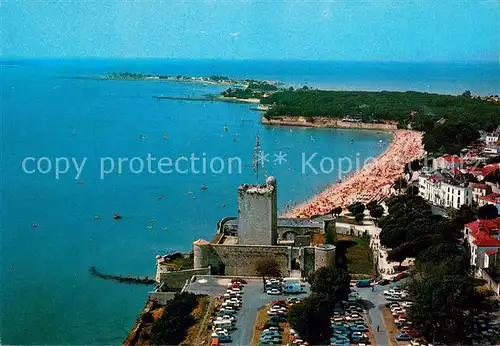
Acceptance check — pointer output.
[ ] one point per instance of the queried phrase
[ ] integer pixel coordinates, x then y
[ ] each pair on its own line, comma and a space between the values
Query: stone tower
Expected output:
324, 255
201, 253
258, 213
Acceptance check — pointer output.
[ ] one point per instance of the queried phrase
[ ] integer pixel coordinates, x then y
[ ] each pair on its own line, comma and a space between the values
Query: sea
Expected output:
76, 151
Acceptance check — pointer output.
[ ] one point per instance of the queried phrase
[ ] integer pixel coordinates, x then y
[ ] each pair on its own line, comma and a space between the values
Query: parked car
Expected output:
272, 339
402, 275
224, 338
402, 337
273, 291
383, 282
270, 333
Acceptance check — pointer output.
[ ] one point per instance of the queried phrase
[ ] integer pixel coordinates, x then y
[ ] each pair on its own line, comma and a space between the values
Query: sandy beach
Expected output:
372, 182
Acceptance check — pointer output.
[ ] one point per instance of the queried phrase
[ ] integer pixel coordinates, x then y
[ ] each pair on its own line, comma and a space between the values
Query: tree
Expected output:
377, 212
359, 217
487, 212
330, 237
443, 305
336, 211
466, 93
372, 204
268, 267
398, 254
412, 190
400, 184
311, 319
331, 282
356, 208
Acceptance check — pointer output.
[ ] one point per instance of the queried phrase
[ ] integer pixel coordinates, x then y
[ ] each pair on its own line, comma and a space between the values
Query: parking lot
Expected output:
253, 299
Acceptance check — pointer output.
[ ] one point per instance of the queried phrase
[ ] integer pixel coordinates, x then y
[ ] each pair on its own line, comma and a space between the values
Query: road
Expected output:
373, 302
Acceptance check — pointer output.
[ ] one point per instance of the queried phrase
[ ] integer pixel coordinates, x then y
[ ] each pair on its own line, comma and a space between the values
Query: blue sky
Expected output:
376, 30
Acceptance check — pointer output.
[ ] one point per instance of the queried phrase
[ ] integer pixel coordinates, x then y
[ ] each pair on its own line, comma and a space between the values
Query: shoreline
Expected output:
322, 122
372, 182
210, 99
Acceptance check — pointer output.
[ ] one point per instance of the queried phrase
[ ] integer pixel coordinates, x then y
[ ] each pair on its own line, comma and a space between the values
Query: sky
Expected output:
350, 30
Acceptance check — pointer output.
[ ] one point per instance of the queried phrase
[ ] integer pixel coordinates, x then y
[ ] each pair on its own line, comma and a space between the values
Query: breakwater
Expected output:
123, 279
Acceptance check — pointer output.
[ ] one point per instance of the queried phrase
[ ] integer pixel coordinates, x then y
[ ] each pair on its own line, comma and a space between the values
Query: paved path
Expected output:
374, 301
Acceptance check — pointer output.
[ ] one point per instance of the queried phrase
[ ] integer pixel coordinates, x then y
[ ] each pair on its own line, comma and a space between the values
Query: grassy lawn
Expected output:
358, 253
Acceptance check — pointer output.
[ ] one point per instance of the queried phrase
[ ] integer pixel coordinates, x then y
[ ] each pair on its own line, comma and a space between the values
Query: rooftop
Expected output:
485, 232
492, 197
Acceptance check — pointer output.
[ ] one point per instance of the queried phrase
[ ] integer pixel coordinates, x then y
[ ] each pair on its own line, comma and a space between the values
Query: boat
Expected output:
96, 217
117, 217
34, 225
150, 227
204, 187
225, 128
165, 135
164, 229
312, 139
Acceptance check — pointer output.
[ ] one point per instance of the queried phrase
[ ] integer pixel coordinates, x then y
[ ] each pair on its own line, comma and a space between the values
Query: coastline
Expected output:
372, 182
210, 98
326, 122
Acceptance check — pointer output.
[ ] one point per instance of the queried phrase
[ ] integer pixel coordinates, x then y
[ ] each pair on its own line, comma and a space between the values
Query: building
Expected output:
447, 162
258, 233
483, 237
444, 192
492, 198
479, 190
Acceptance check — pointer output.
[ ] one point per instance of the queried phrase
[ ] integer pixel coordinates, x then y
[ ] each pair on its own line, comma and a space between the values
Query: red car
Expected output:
240, 280
402, 275
413, 332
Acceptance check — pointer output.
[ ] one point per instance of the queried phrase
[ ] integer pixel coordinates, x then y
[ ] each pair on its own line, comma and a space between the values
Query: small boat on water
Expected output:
225, 128
165, 135
312, 139
34, 225
96, 217
204, 187
164, 229
117, 217
150, 227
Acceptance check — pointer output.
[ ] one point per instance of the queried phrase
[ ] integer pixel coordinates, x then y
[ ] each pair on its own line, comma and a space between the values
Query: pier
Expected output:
122, 279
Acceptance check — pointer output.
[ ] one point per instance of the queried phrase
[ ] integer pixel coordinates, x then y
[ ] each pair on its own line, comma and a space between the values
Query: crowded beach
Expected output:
372, 182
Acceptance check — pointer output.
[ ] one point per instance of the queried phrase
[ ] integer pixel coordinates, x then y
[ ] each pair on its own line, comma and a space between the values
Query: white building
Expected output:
479, 190
483, 237
491, 139
441, 193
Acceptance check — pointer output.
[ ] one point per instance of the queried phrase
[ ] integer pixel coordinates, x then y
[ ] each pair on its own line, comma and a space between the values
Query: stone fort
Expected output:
258, 233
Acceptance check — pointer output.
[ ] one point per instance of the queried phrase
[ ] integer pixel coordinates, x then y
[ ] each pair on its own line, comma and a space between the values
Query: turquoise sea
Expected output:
46, 292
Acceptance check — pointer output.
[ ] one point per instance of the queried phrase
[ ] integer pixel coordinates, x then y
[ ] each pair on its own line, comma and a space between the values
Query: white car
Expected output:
274, 312
352, 317
293, 332
407, 304
273, 291
219, 331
